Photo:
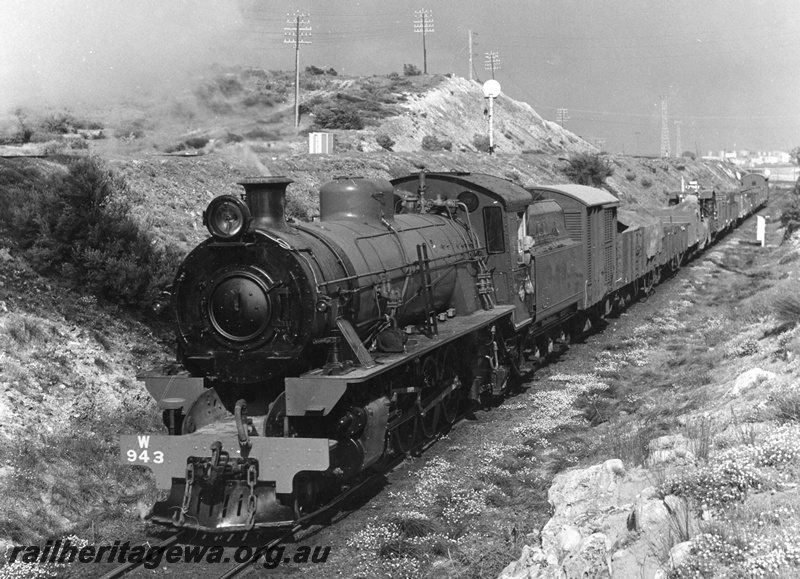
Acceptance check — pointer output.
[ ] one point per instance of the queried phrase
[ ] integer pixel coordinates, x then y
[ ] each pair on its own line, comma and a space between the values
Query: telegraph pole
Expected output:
424, 24
492, 62
298, 34
469, 33
562, 116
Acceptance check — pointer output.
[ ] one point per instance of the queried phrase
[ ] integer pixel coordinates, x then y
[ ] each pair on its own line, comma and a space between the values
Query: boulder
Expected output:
679, 553
672, 449
591, 560
748, 381
532, 564
608, 522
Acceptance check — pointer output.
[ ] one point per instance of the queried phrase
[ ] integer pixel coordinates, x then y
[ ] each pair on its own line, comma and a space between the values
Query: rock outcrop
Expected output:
609, 522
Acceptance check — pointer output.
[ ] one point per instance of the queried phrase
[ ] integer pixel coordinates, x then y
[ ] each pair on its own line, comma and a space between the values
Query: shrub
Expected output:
646, 182
345, 117
385, 141
190, 143
630, 176
481, 143
785, 405
787, 308
78, 224
58, 122
588, 169
258, 100
411, 70
689, 155
130, 130
196, 142
431, 143
229, 85
263, 134
790, 218
25, 129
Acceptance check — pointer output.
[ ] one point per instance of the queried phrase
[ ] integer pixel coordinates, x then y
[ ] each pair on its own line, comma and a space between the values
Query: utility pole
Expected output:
469, 33
678, 148
492, 62
491, 90
664, 127
298, 34
562, 116
424, 24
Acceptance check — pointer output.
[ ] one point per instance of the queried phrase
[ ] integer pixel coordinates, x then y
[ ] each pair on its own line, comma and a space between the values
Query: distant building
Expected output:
747, 158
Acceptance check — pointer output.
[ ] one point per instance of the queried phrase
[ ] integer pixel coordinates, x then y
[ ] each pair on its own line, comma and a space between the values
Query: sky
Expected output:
730, 69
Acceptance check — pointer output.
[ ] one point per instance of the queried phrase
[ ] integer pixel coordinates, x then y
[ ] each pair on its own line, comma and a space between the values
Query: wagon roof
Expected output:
588, 196
513, 197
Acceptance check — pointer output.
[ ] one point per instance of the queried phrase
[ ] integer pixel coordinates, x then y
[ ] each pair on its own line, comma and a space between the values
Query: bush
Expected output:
190, 143
385, 141
689, 155
790, 218
646, 182
411, 70
59, 123
787, 308
258, 100
588, 169
315, 70
130, 130
78, 224
345, 117
431, 143
481, 143
630, 176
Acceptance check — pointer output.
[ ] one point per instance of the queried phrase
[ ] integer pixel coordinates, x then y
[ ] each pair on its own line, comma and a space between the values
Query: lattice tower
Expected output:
664, 127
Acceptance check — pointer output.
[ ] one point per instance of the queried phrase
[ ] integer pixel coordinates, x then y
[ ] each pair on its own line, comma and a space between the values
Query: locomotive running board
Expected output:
315, 393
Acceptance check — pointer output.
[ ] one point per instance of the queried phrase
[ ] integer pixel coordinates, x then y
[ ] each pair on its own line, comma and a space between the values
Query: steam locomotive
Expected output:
310, 353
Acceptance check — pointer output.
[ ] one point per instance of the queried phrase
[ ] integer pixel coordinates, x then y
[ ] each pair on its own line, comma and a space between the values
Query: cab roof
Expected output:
512, 196
587, 196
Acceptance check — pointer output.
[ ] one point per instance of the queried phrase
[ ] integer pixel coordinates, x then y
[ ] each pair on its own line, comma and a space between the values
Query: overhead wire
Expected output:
367, 31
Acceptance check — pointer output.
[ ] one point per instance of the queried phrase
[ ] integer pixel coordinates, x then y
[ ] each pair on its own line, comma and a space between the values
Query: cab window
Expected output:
493, 227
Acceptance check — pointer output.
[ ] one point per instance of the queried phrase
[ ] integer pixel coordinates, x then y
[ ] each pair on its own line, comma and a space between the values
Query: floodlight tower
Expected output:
664, 127
678, 148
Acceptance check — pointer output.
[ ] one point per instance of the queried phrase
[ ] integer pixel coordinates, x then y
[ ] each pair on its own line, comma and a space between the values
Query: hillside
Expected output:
68, 358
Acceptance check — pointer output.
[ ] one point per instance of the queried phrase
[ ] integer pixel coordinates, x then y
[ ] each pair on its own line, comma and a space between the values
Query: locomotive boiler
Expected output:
255, 300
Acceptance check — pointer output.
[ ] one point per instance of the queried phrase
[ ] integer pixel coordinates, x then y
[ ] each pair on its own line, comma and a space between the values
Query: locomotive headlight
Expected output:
227, 217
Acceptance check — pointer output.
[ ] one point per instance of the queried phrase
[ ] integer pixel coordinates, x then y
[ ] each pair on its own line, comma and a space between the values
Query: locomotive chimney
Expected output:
266, 199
